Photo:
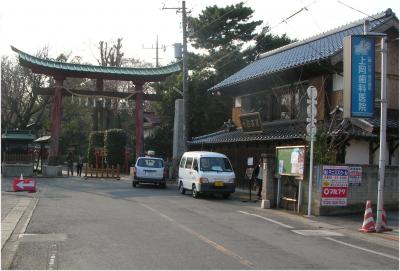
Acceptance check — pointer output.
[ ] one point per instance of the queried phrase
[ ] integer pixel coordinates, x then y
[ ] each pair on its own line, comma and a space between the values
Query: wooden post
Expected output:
56, 117
112, 171
138, 119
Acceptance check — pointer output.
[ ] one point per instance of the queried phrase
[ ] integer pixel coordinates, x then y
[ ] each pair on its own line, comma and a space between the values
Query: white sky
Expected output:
77, 26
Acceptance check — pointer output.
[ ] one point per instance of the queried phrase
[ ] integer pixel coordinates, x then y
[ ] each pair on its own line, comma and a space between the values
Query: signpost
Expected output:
311, 131
335, 182
22, 184
358, 94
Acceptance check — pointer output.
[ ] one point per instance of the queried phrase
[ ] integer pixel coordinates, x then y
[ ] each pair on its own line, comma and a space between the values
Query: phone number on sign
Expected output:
335, 192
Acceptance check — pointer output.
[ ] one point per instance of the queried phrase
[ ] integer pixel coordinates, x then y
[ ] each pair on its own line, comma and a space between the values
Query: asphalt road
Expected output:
97, 224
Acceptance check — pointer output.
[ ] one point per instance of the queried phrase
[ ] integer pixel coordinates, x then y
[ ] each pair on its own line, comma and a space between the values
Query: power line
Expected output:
368, 16
263, 32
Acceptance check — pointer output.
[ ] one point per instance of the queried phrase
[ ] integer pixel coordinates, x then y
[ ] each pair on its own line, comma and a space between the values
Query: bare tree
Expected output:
19, 105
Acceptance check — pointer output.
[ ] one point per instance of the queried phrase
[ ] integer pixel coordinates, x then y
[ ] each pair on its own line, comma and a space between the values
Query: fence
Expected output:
18, 158
97, 172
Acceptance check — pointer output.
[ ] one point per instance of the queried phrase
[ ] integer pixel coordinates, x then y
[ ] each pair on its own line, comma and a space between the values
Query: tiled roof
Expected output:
18, 135
391, 123
301, 53
271, 131
91, 70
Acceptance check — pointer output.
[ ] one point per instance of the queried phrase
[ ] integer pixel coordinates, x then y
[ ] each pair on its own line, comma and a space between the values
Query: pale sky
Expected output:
77, 26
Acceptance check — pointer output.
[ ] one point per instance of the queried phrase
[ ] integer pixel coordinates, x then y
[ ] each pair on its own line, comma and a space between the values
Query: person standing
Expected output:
70, 163
79, 165
258, 178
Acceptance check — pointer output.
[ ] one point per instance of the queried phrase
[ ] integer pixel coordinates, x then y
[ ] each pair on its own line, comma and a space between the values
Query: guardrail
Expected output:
108, 172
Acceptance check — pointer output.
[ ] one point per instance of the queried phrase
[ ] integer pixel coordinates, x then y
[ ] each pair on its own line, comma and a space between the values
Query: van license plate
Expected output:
218, 184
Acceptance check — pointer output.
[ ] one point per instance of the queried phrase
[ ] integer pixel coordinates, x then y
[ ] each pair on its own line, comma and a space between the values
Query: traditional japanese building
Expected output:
274, 87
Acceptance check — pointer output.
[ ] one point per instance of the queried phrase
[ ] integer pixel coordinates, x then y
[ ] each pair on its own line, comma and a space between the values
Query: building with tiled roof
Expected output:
275, 84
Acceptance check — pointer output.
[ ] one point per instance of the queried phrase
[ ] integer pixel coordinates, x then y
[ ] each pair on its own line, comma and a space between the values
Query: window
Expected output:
182, 163
195, 166
150, 162
189, 161
215, 164
283, 103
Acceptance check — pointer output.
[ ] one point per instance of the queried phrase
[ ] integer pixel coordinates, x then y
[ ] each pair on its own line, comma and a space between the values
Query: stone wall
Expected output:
357, 194
15, 170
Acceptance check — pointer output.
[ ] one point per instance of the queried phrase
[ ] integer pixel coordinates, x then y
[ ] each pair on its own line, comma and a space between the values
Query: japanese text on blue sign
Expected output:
362, 76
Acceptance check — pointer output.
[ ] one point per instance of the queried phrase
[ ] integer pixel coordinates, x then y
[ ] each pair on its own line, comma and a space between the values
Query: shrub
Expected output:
96, 139
114, 144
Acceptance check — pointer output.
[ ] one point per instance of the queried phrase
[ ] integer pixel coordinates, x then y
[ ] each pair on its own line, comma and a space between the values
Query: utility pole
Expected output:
185, 75
156, 48
382, 140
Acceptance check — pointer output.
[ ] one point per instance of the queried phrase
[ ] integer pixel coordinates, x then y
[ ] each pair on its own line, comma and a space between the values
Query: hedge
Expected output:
96, 139
114, 144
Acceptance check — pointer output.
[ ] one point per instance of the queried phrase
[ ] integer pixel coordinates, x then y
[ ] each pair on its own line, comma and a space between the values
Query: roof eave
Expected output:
124, 74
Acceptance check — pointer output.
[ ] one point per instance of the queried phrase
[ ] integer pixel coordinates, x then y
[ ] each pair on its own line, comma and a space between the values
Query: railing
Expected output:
108, 172
17, 158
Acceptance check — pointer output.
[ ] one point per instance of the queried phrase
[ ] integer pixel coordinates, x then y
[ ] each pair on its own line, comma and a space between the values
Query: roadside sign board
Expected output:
251, 122
24, 185
335, 182
290, 160
359, 76
355, 175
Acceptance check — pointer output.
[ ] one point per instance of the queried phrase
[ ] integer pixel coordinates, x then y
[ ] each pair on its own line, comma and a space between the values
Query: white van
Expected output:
206, 172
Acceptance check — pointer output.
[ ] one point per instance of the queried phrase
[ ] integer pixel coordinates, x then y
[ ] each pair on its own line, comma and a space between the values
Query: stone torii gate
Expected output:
60, 71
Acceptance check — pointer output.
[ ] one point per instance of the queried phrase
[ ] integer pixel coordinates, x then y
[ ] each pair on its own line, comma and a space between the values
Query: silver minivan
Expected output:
206, 173
149, 170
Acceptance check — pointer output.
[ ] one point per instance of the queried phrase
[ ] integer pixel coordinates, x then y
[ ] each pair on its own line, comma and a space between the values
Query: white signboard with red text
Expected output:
335, 183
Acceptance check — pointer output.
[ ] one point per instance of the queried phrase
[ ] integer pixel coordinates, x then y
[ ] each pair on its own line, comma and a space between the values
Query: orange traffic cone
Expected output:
385, 222
369, 223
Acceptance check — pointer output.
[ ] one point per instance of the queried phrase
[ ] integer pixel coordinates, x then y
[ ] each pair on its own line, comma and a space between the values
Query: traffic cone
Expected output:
385, 222
369, 223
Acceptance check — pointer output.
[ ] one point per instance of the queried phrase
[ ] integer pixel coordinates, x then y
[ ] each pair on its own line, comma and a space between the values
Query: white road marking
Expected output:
213, 244
52, 264
364, 249
317, 233
267, 219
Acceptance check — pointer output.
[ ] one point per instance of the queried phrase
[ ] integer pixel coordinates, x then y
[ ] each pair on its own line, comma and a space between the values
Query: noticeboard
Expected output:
290, 160
251, 122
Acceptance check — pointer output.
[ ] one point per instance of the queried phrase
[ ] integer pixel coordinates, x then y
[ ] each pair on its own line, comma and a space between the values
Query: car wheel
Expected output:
226, 195
181, 189
195, 193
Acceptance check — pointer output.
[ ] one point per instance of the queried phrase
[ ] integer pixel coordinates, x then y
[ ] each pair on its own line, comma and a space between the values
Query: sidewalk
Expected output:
347, 224
13, 207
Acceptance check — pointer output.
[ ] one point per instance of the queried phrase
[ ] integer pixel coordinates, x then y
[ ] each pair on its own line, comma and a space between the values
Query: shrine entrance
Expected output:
60, 71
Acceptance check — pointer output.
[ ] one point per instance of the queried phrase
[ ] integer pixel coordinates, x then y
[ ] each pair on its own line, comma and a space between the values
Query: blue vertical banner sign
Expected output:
362, 76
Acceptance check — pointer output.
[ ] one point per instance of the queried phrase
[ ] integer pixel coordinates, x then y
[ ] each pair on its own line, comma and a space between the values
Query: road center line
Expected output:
268, 219
364, 249
215, 245
52, 263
